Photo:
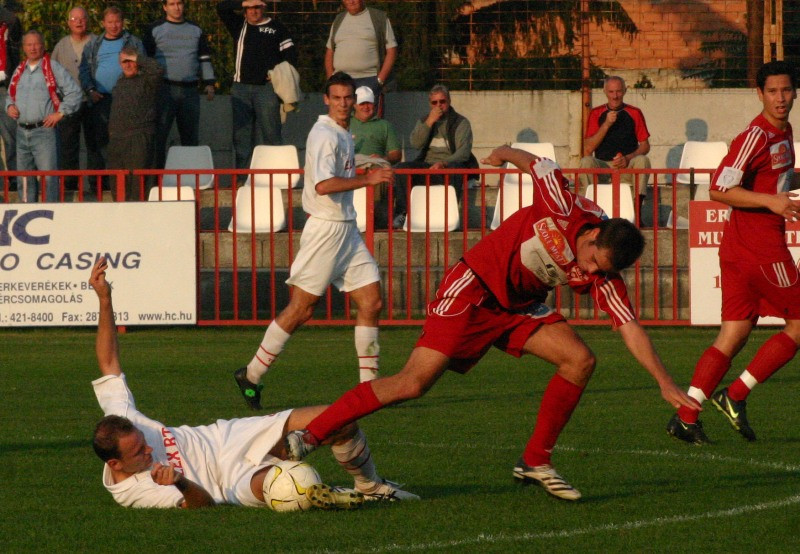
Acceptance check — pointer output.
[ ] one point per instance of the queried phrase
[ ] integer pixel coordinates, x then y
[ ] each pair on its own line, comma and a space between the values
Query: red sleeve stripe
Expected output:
749, 147
561, 204
615, 305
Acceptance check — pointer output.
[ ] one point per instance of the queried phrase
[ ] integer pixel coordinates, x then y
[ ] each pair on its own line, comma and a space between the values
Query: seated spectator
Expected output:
132, 123
444, 140
616, 137
375, 138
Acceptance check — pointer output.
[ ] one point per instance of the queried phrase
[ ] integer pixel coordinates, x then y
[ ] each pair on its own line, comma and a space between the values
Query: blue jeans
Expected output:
8, 133
183, 104
37, 149
256, 119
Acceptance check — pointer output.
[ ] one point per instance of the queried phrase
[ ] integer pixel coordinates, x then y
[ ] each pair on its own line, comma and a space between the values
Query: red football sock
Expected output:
352, 405
559, 400
709, 371
773, 355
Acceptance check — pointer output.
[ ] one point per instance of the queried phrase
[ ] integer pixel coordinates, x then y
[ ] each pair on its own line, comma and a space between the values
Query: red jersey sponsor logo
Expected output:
780, 154
553, 241
577, 276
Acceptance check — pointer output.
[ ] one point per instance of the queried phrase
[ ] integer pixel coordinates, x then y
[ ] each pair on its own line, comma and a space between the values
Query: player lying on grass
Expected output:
494, 297
148, 464
759, 277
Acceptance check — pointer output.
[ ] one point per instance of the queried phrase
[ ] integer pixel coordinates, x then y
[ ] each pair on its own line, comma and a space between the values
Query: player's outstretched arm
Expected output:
106, 345
640, 345
785, 204
520, 158
194, 496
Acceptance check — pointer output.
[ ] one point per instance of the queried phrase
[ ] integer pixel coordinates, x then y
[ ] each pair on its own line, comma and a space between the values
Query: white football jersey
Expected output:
330, 152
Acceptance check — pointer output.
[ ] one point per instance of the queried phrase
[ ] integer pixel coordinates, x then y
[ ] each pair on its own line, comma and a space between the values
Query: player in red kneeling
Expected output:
759, 277
494, 297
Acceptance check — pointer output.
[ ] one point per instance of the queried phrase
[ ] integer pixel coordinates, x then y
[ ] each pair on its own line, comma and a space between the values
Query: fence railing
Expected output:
241, 270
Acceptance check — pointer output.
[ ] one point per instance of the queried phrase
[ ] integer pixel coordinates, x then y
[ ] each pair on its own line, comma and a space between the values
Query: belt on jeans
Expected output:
29, 126
185, 84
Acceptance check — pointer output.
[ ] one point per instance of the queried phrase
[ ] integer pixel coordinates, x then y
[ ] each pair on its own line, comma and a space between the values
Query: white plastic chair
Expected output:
189, 157
418, 212
510, 195
541, 149
700, 155
258, 219
797, 155
171, 194
360, 204
605, 199
266, 156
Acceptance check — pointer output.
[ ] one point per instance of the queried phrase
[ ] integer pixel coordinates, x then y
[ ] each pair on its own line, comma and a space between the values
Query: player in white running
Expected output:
331, 248
150, 465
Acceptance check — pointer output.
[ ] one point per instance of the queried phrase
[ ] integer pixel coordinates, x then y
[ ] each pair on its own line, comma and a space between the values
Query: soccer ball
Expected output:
286, 483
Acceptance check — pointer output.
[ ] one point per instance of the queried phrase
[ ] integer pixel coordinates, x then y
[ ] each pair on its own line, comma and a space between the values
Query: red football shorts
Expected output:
750, 291
464, 321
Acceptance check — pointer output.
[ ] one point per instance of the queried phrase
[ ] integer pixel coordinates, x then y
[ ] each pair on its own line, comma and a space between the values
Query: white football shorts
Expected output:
332, 252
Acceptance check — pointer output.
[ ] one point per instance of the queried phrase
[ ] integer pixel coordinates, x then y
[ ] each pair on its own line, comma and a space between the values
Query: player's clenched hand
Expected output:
98, 279
380, 175
676, 397
164, 474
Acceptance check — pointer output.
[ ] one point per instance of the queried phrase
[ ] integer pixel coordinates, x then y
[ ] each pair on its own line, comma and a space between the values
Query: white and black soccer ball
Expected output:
286, 484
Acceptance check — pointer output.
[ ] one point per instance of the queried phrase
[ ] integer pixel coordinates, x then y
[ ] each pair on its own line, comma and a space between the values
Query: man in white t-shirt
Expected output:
362, 44
150, 465
331, 248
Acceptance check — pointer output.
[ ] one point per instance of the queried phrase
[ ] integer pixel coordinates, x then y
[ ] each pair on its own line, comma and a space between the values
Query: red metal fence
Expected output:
241, 271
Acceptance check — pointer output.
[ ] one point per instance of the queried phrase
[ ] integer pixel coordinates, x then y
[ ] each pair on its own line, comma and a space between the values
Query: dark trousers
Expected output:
132, 151
70, 132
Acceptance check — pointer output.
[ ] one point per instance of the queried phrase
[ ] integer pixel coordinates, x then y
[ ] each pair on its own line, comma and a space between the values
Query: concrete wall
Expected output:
673, 117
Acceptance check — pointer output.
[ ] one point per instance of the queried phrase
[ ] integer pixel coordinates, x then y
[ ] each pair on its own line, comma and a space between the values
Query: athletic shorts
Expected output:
465, 320
750, 291
332, 252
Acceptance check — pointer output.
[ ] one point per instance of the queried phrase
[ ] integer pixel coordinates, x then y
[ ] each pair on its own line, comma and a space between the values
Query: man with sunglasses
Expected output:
444, 140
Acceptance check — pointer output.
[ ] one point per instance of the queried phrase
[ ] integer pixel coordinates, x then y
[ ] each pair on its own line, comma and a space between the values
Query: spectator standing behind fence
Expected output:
362, 44
616, 137
261, 43
68, 53
99, 72
10, 36
331, 248
181, 47
132, 123
41, 93
375, 139
444, 140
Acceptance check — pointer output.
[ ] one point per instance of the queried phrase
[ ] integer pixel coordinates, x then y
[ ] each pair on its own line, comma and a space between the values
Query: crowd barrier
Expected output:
247, 236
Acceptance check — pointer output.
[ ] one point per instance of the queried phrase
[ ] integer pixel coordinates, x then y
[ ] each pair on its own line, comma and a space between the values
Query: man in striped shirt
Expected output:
495, 297
261, 43
759, 277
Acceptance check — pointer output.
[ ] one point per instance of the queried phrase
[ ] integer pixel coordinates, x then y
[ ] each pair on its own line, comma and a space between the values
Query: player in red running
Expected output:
758, 275
495, 297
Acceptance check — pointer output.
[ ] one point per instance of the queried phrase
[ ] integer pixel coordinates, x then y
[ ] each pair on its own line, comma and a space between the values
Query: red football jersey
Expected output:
533, 251
761, 159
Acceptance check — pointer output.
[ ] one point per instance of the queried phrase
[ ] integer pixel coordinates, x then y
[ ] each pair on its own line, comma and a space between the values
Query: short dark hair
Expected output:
340, 78
775, 68
623, 238
107, 434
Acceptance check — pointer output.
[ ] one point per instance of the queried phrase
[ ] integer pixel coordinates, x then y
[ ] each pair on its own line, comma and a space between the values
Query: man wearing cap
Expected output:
261, 43
375, 139
132, 123
34, 102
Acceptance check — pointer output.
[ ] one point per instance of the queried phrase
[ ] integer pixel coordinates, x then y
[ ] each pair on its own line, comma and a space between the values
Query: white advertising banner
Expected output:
47, 252
706, 221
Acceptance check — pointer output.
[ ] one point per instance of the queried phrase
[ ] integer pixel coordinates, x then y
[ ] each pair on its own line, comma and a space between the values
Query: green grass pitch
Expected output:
643, 491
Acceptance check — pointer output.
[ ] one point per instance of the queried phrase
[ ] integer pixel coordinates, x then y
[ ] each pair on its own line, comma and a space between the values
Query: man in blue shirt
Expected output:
41, 93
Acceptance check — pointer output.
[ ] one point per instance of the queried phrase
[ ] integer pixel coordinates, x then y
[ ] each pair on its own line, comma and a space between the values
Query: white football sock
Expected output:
271, 345
356, 459
368, 351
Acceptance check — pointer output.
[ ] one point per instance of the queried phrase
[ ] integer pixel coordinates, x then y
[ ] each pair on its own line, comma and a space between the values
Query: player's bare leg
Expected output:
368, 308
561, 346
296, 313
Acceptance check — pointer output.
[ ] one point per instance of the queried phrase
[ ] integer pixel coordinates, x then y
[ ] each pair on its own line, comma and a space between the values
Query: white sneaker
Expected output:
546, 477
387, 491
